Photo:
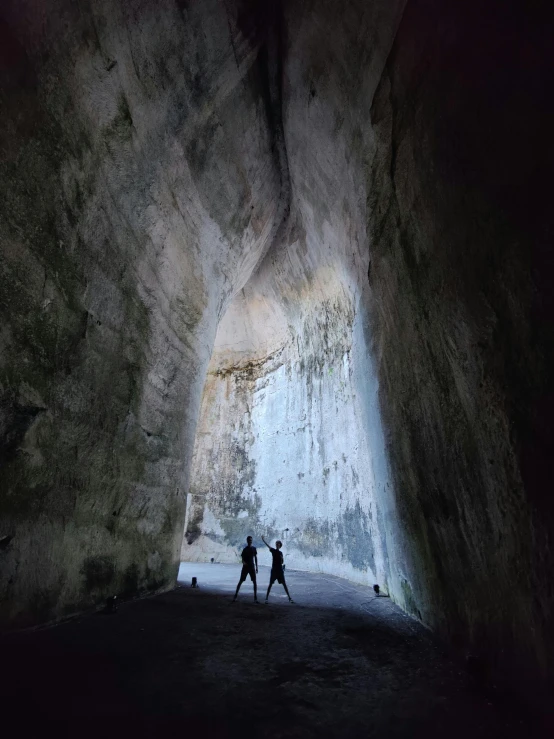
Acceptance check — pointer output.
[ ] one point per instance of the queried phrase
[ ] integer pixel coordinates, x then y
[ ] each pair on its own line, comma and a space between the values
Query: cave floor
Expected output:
337, 663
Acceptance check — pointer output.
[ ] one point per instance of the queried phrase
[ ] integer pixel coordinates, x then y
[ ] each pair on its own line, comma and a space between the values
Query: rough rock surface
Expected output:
290, 442
282, 451
461, 229
357, 195
393, 177
139, 189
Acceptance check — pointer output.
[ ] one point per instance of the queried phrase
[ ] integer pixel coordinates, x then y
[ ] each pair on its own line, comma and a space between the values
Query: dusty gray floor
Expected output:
338, 663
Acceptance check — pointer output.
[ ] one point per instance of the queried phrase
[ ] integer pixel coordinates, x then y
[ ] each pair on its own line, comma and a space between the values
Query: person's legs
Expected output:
238, 588
253, 578
271, 581
242, 579
286, 589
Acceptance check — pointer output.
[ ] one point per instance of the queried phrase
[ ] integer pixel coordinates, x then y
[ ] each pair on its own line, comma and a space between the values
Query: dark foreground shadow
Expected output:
189, 661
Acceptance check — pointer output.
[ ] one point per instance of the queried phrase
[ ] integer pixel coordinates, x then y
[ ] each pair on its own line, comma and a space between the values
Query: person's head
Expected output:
278, 544
249, 541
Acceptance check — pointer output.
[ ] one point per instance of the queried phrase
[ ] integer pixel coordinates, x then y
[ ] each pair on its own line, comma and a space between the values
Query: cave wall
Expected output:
284, 450
421, 181
290, 443
403, 308
460, 232
140, 186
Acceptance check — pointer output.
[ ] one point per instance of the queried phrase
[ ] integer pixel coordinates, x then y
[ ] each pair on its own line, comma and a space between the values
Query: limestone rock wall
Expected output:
419, 179
140, 186
283, 450
290, 443
460, 238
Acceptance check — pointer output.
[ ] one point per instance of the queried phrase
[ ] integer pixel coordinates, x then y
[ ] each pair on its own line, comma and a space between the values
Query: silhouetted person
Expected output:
277, 572
249, 556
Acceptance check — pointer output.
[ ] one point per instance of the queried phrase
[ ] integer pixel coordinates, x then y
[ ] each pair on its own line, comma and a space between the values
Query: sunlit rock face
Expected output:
290, 443
284, 445
140, 186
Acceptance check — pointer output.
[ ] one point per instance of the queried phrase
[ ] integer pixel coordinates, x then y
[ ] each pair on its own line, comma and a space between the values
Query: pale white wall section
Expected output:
294, 450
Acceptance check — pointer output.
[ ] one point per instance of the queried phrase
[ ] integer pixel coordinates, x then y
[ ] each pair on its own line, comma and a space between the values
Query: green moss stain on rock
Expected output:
314, 539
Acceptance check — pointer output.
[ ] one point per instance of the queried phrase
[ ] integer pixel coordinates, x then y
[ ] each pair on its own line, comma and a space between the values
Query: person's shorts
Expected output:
246, 570
278, 575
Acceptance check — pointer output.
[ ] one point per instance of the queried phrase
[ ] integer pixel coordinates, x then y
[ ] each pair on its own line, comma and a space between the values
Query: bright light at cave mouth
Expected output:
289, 443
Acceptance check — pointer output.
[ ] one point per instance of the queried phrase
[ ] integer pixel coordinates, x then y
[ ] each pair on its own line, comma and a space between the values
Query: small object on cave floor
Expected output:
212, 560
194, 583
111, 604
376, 589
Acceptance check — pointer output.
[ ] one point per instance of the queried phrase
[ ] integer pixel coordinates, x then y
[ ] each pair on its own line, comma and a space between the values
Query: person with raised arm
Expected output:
277, 571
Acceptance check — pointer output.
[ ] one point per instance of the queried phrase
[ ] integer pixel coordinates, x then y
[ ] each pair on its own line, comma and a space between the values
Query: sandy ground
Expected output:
337, 663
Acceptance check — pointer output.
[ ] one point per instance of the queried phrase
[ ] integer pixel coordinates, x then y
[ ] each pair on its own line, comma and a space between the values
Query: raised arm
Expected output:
265, 542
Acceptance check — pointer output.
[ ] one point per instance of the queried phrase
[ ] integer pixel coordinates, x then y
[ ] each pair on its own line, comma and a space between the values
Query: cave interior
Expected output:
281, 269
